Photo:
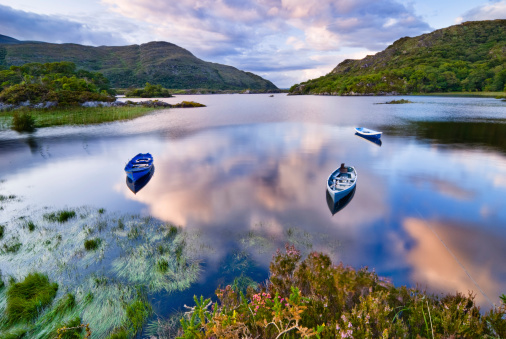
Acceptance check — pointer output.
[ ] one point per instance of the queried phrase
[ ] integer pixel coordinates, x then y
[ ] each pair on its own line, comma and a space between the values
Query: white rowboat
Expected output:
341, 182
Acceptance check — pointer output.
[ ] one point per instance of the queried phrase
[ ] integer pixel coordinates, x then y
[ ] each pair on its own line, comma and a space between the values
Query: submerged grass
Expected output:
76, 115
107, 300
26, 299
60, 216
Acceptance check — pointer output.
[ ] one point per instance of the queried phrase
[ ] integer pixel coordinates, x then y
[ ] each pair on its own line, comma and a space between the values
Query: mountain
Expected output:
466, 57
159, 63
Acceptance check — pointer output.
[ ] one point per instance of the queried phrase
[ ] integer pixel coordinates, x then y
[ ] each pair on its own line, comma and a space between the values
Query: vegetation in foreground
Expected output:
68, 116
315, 298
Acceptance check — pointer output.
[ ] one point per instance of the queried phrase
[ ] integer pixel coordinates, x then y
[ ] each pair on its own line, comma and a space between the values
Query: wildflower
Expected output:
349, 324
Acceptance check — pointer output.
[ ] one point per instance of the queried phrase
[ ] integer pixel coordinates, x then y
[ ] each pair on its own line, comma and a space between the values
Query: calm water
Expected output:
429, 208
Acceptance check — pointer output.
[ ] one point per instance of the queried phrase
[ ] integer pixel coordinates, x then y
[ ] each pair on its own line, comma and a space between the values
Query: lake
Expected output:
247, 174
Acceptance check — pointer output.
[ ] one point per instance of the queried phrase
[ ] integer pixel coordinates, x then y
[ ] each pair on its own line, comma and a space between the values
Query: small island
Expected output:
398, 102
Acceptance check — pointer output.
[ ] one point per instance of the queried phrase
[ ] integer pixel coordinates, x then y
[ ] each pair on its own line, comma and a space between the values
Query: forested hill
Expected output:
159, 63
466, 57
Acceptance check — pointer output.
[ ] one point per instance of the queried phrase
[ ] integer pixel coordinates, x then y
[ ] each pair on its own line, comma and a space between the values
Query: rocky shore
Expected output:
147, 103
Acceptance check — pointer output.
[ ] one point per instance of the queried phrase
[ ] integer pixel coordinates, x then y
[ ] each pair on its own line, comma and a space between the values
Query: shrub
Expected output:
60, 216
26, 299
23, 122
315, 298
92, 244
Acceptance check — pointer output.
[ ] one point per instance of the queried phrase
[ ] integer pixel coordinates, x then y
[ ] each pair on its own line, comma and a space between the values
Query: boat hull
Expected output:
136, 185
139, 166
368, 133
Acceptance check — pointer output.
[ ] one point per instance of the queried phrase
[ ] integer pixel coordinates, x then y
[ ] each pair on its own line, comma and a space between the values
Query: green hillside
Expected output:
159, 63
466, 57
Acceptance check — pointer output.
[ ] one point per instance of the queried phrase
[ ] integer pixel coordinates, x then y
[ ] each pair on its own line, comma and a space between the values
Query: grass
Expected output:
2, 231
60, 216
31, 226
467, 94
26, 299
75, 115
92, 244
7, 197
23, 122
12, 247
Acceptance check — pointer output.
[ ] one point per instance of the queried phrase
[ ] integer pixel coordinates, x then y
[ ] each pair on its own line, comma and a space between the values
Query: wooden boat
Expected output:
375, 141
139, 166
136, 185
369, 133
341, 182
336, 206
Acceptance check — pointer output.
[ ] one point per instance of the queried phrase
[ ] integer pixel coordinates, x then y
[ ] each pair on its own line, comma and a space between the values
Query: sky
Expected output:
284, 41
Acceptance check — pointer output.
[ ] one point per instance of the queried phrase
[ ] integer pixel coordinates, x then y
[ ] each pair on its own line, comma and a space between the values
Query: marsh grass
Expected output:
26, 299
60, 216
76, 115
100, 299
30, 225
23, 122
92, 244
7, 197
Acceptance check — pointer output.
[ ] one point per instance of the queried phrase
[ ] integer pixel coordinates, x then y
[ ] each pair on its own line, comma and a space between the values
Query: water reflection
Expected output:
375, 141
335, 207
136, 185
482, 133
248, 173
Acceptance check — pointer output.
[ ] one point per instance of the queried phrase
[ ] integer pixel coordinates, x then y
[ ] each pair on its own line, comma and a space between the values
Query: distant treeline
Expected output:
58, 82
468, 57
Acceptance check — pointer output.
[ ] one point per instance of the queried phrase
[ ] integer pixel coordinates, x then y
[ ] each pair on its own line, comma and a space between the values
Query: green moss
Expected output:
92, 244
26, 299
60, 216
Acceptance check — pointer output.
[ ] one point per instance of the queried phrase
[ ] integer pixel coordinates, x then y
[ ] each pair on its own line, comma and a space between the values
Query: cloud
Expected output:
51, 28
491, 11
281, 35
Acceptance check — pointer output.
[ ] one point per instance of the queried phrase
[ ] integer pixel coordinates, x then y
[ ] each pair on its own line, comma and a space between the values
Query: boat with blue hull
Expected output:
369, 133
139, 166
136, 185
375, 141
341, 182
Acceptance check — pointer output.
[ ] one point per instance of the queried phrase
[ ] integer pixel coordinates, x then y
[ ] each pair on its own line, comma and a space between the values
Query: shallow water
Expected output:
248, 172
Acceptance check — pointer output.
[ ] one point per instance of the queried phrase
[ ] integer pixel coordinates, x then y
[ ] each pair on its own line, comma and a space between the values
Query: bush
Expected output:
92, 244
26, 299
19, 93
23, 122
314, 297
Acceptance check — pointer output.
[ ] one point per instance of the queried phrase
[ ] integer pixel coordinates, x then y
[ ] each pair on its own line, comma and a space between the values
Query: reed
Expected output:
72, 115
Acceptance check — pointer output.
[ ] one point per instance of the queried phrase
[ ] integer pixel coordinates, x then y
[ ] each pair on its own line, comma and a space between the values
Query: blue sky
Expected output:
285, 41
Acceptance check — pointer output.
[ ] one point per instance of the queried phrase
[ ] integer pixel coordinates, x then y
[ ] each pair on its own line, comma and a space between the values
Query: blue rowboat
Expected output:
369, 133
341, 182
139, 166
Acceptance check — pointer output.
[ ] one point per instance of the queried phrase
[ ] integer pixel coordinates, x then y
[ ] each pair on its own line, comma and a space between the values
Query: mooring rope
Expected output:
455, 257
